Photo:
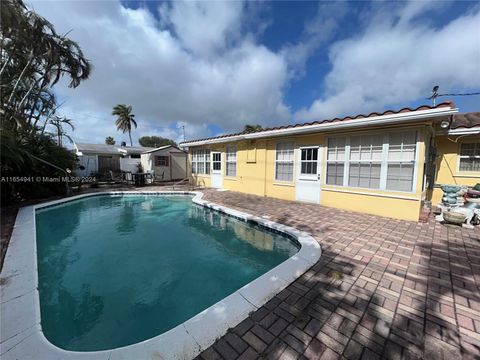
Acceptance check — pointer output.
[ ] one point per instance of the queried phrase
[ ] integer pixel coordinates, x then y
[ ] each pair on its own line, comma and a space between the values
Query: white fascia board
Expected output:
374, 120
470, 131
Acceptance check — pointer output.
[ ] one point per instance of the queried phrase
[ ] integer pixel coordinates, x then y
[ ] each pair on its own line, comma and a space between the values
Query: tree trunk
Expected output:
19, 78
5, 65
130, 134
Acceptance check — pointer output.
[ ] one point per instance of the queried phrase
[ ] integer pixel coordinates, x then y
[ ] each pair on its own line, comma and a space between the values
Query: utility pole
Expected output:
183, 128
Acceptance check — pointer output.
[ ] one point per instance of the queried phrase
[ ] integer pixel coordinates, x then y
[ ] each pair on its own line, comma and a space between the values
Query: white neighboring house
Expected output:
167, 162
100, 158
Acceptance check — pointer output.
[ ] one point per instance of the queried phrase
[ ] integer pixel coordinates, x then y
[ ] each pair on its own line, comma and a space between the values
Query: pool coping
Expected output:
20, 323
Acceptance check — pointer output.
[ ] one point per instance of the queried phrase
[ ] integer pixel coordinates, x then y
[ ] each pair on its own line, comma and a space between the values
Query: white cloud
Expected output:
398, 60
317, 31
205, 28
166, 69
197, 65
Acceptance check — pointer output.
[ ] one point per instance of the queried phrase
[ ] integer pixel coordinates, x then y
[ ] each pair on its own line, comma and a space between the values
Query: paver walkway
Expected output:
383, 288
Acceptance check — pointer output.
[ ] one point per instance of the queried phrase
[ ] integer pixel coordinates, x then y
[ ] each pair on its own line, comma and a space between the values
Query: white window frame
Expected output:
384, 166
292, 161
231, 159
336, 161
360, 161
201, 156
414, 162
460, 157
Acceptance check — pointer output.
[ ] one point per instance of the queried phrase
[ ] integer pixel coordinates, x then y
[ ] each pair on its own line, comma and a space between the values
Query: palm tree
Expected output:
125, 119
59, 123
252, 128
109, 140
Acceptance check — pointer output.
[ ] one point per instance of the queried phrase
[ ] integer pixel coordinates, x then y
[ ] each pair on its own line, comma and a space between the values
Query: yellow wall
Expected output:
258, 178
401, 208
447, 165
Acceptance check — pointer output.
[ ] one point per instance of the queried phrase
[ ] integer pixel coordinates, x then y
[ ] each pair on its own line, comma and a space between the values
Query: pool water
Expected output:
117, 270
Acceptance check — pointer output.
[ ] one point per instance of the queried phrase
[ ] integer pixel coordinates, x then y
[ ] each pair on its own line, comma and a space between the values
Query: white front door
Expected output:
216, 173
308, 174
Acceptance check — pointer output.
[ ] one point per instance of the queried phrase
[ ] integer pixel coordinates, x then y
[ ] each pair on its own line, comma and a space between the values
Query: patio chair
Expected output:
115, 177
128, 177
149, 178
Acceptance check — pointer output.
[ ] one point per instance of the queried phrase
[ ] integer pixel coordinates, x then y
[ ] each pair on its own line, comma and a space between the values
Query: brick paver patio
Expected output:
383, 288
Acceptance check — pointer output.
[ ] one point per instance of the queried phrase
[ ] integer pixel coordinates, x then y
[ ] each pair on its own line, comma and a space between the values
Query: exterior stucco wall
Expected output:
447, 172
258, 177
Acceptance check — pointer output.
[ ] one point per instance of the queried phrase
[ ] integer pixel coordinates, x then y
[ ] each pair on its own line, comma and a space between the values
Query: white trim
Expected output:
20, 303
370, 193
384, 166
284, 184
346, 161
406, 117
417, 161
470, 131
470, 174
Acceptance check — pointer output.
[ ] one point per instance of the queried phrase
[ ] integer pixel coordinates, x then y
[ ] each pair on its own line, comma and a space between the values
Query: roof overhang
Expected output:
465, 131
407, 117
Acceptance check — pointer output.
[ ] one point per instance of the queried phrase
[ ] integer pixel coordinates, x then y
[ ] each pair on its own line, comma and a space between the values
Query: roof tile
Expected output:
346, 118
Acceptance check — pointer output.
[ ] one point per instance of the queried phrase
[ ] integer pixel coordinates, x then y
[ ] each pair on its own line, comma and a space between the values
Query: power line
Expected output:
466, 94
435, 94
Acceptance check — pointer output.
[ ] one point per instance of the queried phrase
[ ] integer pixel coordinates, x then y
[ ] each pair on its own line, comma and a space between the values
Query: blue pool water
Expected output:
116, 270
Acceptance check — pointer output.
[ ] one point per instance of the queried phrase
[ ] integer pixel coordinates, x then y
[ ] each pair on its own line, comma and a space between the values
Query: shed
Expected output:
167, 163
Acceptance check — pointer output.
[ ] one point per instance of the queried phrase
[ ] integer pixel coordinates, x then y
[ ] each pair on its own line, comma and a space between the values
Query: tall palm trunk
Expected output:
130, 134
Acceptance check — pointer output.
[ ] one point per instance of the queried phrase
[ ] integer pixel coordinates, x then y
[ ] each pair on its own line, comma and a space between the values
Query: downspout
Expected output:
265, 174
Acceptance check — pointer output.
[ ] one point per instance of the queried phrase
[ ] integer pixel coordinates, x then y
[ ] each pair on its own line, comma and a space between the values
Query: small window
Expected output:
135, 156
161, 160
284, 161
309, 161
231, 161
216, 161
469, 157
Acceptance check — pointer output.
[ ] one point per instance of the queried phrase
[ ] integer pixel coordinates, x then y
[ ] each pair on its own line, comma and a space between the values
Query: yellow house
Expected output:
388, 164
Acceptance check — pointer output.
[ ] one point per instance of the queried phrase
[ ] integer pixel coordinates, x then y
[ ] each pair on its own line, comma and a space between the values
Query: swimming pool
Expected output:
59, 294
117, 270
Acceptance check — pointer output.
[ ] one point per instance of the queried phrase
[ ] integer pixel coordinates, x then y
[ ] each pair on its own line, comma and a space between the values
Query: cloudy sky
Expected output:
215, 66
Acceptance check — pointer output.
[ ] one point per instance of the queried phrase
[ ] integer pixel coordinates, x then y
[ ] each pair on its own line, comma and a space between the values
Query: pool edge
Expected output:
21, 298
